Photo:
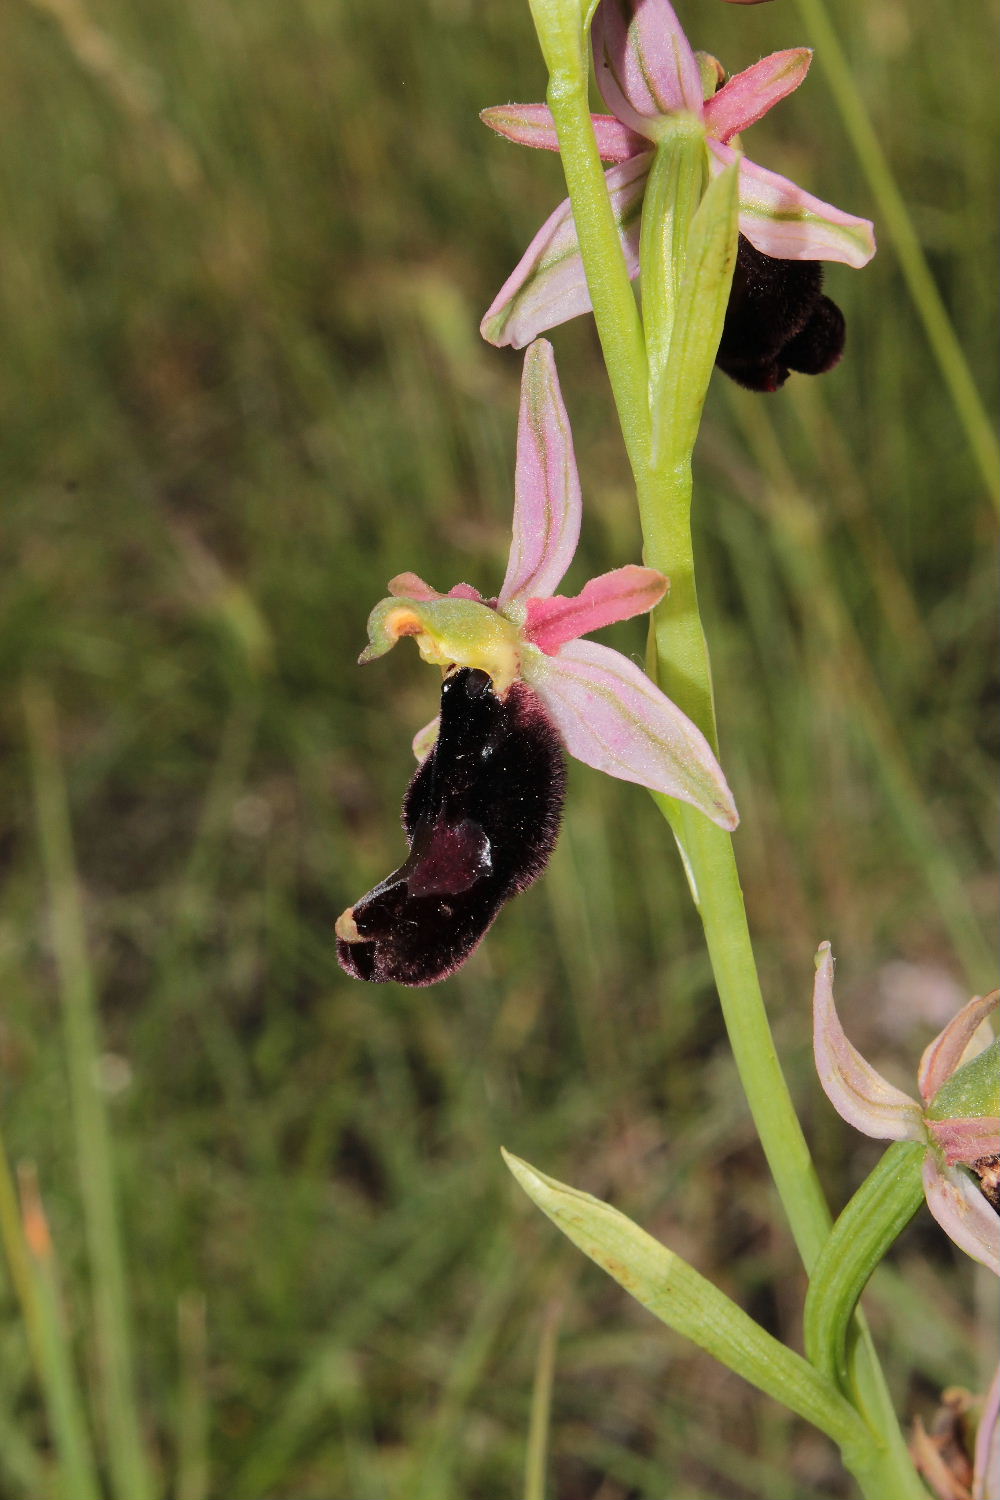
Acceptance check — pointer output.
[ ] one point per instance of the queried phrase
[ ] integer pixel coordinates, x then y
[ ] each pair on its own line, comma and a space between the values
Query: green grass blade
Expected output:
536, 1456
192, 1477
130, 1471
63, 1401
894, 216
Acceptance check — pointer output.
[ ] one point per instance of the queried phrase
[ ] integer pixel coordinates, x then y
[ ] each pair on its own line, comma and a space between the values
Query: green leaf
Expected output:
683, 1299
677, 397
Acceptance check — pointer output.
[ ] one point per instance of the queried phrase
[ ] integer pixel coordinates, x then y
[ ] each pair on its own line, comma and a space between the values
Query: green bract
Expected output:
973, 1090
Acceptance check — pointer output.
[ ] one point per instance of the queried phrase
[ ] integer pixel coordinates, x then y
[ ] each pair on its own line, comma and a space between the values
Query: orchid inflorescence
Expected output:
524, 648
730, 257
778, 318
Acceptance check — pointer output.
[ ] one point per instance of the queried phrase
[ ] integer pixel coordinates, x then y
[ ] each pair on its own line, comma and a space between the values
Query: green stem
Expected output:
663, 486
619, 326
684, 673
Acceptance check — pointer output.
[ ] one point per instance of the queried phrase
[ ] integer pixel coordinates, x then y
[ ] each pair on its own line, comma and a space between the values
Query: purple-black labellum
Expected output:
482, 816
778, 320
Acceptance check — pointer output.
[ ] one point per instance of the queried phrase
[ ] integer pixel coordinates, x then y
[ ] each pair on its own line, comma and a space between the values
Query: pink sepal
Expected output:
986, 1463
944, 1054
614, 718
618, 595
547, 503
748, 96
962, 1211
533, 125
548, 286
643, 62
858, 1093
966, 1140
782, 220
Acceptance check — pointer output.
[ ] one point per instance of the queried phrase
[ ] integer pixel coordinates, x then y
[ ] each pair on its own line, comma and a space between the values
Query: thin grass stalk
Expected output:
18, 1258
63, 1400
540, 1421
192, 1404
895, 217
131, 1475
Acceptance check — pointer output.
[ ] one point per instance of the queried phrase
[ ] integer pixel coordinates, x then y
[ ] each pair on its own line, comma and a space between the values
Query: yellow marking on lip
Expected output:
346, 928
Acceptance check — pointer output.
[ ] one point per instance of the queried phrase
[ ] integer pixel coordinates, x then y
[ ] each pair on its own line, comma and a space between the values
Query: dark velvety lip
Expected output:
481, 816
778, 320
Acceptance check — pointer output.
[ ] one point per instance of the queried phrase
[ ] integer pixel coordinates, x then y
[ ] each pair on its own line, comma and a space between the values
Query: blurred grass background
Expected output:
245, 249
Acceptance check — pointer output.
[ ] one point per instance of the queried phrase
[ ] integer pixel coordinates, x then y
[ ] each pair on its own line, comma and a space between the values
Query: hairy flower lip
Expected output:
481, 816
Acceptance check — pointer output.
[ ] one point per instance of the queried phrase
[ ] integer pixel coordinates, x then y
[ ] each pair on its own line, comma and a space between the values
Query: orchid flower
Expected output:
482, 811
649, 76
957, 1117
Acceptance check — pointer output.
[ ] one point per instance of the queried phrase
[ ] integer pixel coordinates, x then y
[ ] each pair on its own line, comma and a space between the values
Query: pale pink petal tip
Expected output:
526, 124
859, 1094
547, 503
533, 125
614, 596
963, 1213
611, 716
412, 586
947, 1051
749, 95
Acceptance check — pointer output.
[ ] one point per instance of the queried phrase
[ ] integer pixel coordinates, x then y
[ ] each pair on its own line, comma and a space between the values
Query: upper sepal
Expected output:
548, 507
859, 1094
644, 64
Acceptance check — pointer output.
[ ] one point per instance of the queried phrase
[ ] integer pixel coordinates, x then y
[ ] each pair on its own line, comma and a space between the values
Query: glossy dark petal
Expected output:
778, 320
482, 816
